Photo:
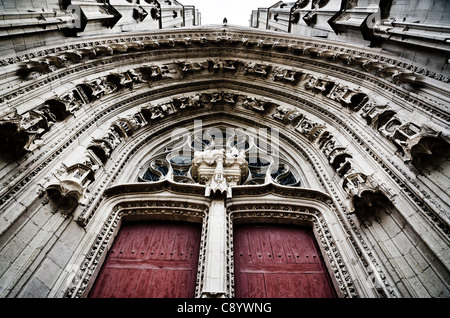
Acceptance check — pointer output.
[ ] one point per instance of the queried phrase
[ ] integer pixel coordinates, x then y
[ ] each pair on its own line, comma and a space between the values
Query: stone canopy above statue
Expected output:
219, 169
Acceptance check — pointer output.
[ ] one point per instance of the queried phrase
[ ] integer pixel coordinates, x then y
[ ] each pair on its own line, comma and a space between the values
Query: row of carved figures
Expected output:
22, 133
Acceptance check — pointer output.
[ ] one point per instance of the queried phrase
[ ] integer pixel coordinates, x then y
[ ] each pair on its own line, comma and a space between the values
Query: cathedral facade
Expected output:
145, 155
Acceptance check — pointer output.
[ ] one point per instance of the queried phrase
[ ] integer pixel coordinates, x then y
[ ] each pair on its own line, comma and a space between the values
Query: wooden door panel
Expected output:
279, 262
151, 259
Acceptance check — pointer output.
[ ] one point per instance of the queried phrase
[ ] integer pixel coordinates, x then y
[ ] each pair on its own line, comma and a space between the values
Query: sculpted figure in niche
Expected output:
337, 92
223, 96
216, 97
190, 66
160, 110
223, 64
229, 98
255, 104
135, 76
33, 123
44, 110
98, 87
305, 127
312, 82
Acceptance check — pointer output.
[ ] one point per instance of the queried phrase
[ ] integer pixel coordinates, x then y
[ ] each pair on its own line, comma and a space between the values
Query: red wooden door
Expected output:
151, 260
277, 261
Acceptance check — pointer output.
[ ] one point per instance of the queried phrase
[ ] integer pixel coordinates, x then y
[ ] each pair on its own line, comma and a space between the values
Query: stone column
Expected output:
215, 284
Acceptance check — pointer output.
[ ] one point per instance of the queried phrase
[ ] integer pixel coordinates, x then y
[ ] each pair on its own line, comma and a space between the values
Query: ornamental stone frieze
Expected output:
400, 73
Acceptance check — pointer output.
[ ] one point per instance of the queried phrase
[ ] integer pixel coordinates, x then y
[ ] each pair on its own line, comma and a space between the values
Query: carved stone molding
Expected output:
303, 215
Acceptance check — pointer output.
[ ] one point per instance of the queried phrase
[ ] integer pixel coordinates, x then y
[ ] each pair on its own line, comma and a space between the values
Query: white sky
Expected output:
236, 11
